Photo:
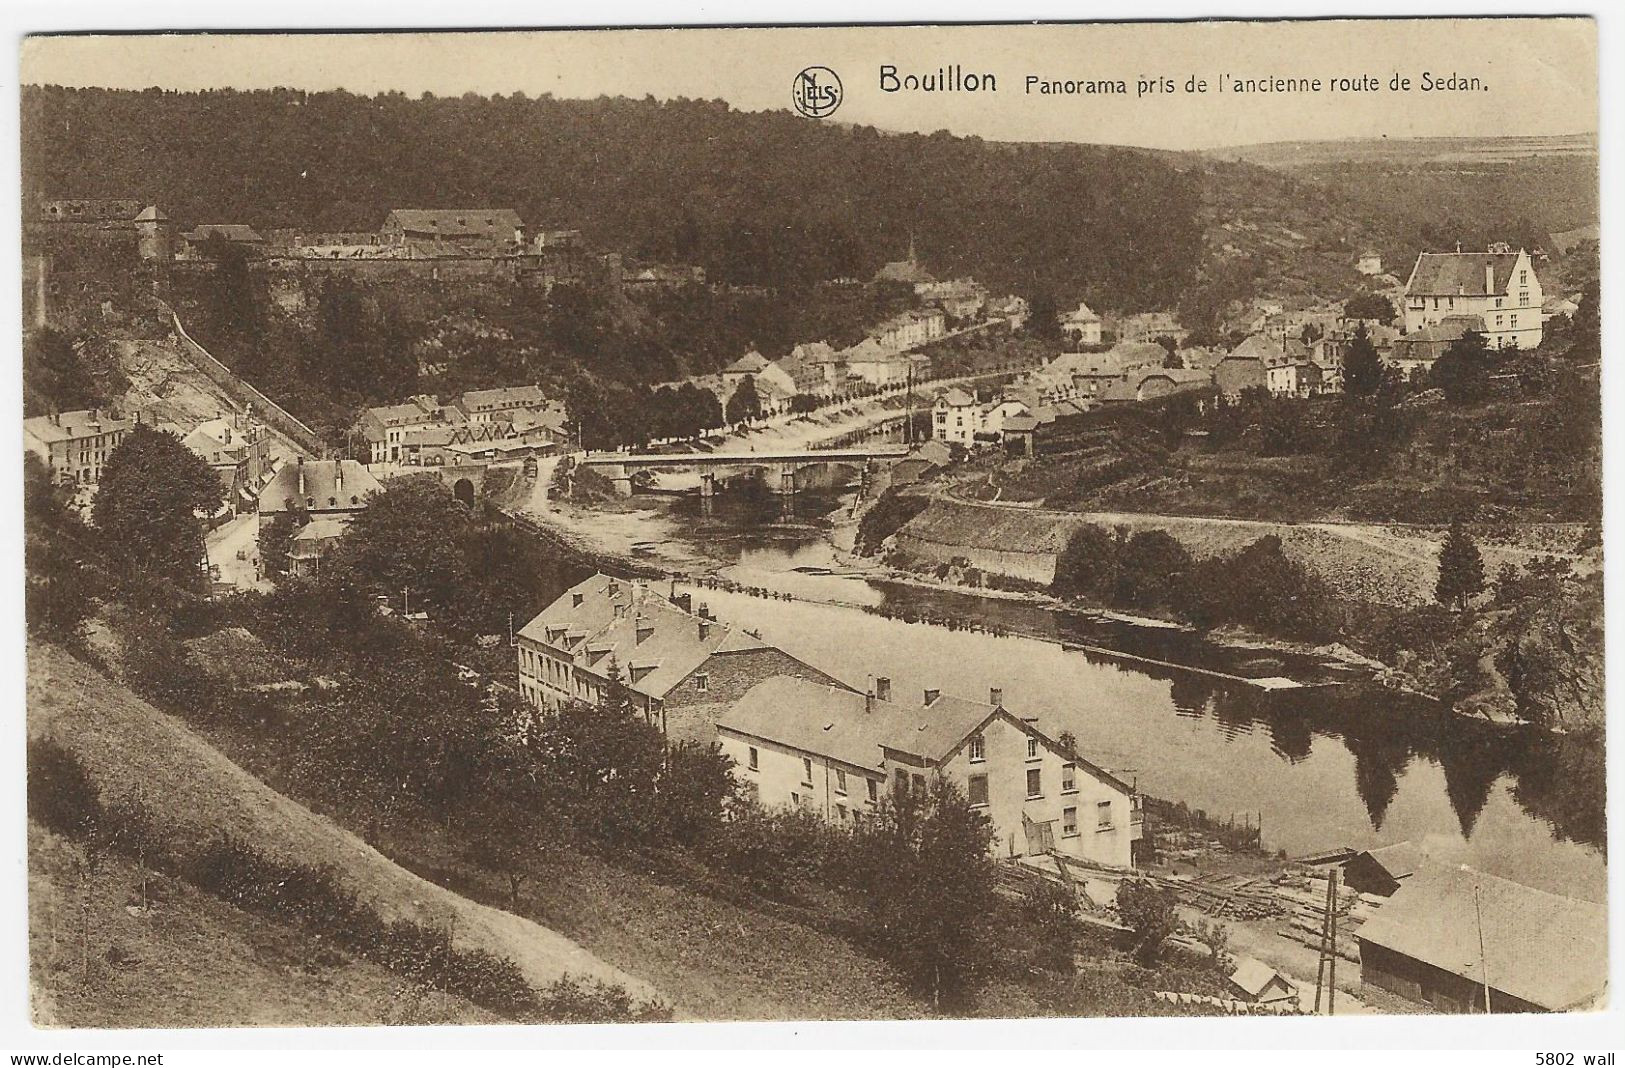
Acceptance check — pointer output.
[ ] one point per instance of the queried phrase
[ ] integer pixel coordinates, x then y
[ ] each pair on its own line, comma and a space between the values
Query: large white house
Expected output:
837, 753
1498, 285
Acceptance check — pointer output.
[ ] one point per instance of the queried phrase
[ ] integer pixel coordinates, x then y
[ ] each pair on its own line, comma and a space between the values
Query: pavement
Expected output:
234, 548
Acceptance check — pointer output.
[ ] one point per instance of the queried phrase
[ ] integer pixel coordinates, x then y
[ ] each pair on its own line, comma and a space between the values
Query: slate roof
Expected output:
152, 214
957, 398
1548, 950
237, 232
1460, 273
457, 222
749, 364
591, 633
1258, 346
856, 729
318, 480
66, 425
503, 397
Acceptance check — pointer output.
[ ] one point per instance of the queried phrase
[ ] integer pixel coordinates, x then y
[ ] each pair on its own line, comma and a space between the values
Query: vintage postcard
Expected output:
821, 523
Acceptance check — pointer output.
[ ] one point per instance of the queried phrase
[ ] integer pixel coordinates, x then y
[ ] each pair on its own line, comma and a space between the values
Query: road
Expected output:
224, 544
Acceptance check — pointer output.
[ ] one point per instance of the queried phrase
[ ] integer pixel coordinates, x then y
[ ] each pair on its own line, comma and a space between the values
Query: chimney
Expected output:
931, 695
684, 601
705, 610
301, 477
613, 589
705, 629
869, 702
338, 472
642, 630
1489, 276
882, 688
995, 696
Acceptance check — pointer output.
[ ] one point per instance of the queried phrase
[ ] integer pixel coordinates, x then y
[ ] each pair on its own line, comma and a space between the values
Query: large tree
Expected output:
1362, 367
1461, 569
927, 870
151, 504
407, 543
746, 403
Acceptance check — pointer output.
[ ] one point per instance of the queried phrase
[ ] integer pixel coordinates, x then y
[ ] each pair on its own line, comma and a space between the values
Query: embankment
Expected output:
1371, 562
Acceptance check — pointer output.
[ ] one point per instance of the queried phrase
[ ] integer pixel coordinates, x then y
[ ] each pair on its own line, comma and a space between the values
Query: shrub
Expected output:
61, 796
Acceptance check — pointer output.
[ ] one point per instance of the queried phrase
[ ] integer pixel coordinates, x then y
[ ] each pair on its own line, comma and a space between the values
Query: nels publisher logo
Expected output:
816, 92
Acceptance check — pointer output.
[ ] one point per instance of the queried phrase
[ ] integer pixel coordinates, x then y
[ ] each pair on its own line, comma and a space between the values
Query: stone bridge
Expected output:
778, 466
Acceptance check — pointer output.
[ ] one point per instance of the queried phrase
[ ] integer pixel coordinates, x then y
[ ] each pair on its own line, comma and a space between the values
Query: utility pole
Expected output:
1483, 958
1326, 970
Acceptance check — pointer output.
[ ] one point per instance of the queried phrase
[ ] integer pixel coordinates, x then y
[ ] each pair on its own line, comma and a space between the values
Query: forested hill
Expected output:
766, 198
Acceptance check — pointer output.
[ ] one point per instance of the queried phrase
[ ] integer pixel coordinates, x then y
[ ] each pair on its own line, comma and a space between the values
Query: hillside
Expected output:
1472, 190
138, 755
761, 198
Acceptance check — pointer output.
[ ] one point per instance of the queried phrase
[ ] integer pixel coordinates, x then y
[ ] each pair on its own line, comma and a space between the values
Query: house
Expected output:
774, 385
959, 298
1257, 982
1369, 263
954, 418
318, 487
680, 668
991, 417
834, 752
239, 452
384, 428
1088, 374
1247, 365
805, 365
1082, 325
1013, 310
911, 329
74, 445
875, 364
1499, 286
1560, 306
314, 541
1380, 871
499, 405
1292, 373
201, 239
487, 228
1417, 351
1149, 326
1454, 937
1021, 435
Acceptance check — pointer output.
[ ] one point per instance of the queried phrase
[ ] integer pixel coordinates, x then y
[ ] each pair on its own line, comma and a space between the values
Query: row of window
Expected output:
978, 790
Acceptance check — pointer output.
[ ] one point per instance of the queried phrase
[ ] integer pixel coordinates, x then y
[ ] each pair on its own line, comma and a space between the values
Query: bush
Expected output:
889, 514
1149, 912
61, 796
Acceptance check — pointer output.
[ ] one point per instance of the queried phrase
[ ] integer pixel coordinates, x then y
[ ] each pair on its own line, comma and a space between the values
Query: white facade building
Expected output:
1499, 286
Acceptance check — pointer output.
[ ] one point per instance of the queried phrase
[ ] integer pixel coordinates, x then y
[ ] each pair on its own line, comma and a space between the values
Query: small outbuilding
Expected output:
1257, 982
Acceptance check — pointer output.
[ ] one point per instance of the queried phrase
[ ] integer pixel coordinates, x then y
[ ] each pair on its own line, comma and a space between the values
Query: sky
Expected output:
1538, 76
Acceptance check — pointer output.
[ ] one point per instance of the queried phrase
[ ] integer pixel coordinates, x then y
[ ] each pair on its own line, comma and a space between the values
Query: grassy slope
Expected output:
191, 960
714, 956
138, 754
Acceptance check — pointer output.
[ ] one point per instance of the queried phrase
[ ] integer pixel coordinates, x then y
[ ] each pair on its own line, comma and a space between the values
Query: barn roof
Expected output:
1548, 950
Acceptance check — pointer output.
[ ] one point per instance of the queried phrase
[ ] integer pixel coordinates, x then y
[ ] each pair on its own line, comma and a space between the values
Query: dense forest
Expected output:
762, 198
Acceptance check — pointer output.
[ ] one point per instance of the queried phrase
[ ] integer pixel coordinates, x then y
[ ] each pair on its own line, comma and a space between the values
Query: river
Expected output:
1319, 766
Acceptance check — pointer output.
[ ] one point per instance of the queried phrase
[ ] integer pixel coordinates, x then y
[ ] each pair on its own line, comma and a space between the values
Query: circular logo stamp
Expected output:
816, 92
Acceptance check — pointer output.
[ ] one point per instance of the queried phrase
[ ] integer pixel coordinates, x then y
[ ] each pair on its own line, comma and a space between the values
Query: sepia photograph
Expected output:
1079, 521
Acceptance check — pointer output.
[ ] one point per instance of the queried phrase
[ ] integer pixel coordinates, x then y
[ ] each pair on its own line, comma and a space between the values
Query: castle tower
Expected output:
152, 229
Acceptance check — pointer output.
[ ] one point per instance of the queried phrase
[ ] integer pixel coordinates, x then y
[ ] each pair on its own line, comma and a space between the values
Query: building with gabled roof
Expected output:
1499, 285
1452, 937
1380, 871
681, 668
492, 405
461, 226
1082, 325
75, 445
836, 752
318, 487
